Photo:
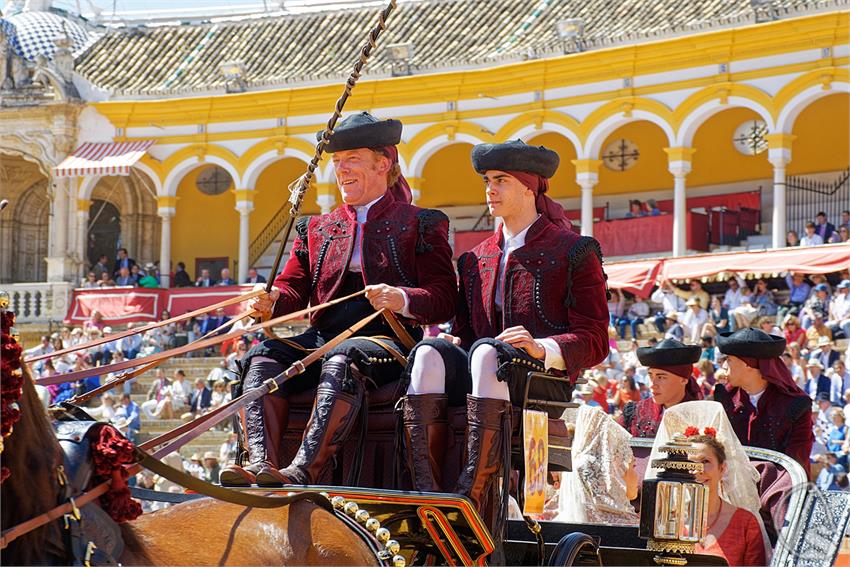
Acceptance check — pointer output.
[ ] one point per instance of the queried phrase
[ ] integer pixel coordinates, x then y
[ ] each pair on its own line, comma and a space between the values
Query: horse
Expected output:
196, 532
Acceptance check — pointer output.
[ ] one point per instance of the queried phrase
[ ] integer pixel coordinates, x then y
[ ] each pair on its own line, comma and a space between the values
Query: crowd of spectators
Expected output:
125, 271
821, 231
167, 397
642, 209
811, 311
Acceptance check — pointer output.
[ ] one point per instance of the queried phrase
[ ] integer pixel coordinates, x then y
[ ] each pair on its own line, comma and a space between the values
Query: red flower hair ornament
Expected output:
692, 431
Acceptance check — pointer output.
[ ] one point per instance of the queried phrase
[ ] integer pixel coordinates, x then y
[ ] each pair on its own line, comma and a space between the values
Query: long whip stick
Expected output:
304, 181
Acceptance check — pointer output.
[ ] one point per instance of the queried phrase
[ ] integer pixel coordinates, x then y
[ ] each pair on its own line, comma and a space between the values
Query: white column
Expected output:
779, 155
165, 216
779, 201
680, 213
326, 203
326, 196
587, 208
83, 206
587, 176
60, 266
59, 230
679, 164
166, 209
244, 208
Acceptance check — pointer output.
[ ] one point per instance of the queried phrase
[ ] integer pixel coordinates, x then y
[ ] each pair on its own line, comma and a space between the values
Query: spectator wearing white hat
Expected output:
674, 328
212, 468
818, 383
670, 303
825, 353
584, 394
694, 320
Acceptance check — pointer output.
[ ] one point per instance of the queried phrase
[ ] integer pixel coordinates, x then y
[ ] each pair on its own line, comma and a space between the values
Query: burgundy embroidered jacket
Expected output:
553, 286
781, 422
402, 246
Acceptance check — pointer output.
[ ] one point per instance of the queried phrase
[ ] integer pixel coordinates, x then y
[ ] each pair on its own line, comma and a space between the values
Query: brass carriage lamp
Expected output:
674, 506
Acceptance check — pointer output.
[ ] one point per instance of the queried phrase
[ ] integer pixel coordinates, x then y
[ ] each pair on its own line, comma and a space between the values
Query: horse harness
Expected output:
91, 537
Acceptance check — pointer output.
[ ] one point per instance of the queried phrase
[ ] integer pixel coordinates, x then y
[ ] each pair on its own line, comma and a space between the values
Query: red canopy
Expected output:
639, 276
810, 260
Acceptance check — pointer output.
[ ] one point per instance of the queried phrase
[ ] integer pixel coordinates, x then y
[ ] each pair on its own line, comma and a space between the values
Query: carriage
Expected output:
806, 526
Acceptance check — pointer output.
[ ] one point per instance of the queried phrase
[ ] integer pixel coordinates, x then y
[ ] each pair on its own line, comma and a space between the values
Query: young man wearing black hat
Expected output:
765, 406
378, 240
670, 365
532, 297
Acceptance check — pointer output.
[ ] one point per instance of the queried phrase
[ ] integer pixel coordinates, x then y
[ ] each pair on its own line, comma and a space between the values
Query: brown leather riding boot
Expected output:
338, 401
265, 423
426, 427
484, 442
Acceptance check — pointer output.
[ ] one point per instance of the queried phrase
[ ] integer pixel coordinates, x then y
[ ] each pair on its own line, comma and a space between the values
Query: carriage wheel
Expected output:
575, 547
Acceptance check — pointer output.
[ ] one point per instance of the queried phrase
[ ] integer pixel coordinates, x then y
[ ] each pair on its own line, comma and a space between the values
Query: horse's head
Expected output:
31, 454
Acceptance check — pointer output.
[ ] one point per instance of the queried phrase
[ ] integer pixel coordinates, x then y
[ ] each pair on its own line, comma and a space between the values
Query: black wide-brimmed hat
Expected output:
515, 155
363, 130
668, 352
753, 343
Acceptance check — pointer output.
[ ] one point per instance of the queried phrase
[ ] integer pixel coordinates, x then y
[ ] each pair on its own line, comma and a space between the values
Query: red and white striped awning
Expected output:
102, 159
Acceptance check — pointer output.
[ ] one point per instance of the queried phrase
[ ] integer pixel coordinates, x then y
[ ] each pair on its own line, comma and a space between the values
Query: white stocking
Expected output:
428, 375
484, 363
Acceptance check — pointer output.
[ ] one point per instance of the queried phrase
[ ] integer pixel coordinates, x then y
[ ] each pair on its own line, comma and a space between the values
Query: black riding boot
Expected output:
338, 402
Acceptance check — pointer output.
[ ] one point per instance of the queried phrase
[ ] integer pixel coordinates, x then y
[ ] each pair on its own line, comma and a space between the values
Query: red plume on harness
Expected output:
110, 452
11, 379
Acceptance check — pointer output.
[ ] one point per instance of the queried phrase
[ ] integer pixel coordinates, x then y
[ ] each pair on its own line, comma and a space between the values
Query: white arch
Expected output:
593, 145
151, 174
420, 158
261, 162
790, 112
172, 180
701, 114
89, 182
530, 131
87, 185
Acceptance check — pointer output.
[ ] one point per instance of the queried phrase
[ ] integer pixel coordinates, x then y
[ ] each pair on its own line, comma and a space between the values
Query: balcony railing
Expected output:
38, 302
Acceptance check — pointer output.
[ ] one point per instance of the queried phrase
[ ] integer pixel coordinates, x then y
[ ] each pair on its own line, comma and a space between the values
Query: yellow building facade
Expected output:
679, 104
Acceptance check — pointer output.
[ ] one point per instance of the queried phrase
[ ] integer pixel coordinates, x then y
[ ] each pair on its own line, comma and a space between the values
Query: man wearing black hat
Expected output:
670, 364
532, 297
765, 406
378, 240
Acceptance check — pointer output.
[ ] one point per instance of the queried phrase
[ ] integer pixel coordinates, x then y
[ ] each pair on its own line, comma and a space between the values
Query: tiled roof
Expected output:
287, 49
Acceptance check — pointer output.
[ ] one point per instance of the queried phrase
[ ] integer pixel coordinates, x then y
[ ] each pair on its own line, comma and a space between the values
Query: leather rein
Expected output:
176, 438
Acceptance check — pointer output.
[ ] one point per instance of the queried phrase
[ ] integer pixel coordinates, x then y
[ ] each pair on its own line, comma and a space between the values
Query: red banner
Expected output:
122, 305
